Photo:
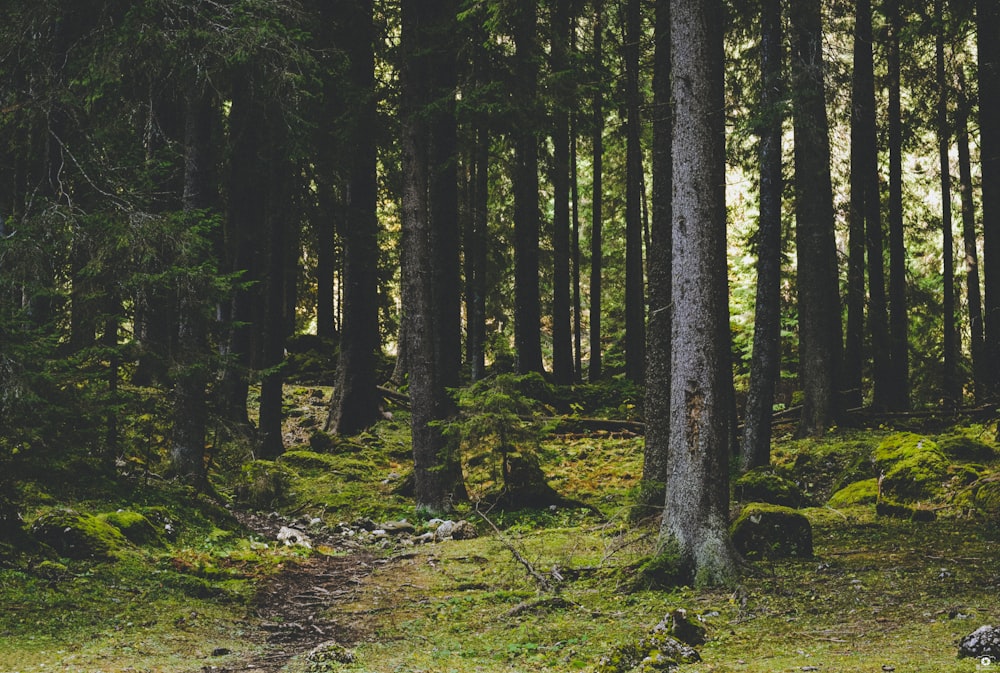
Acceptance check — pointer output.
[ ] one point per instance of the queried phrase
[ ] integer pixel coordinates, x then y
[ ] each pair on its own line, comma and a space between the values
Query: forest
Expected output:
333, 329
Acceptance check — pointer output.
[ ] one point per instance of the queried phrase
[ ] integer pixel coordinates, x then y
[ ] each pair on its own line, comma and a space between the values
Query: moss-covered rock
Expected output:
307, 460
655, 651
961, 447
763, 485
986, 500
263, 484
78, 536
913, 465
772, 531
859, 493
134, 526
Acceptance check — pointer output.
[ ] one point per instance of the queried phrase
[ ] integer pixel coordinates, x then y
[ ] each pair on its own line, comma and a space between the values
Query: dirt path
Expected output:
292, 609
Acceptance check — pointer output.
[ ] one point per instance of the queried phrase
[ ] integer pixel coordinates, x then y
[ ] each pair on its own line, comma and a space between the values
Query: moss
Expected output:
772, 531
134, 526
986, 500
914, 466
79, 536
859, 493
264, 484
763, 485
963, 448
663, 570
307, 460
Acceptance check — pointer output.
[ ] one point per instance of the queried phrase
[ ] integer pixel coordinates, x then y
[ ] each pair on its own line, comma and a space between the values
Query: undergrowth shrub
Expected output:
264, 484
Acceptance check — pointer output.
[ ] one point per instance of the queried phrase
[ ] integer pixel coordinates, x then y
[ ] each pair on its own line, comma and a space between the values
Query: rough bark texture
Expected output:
695, 521
355, 403
899, 398
426, 111
597, 201
951, 386
657, 402
988, 37
766, 358
527, 310
635, 295
818, 293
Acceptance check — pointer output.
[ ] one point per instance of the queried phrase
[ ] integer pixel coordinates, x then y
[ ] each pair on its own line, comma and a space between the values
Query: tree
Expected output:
766, 358
355, 403
695, 521
597, 199
818, 295
635, 295
899, 392
988, 39
658, 352
430, 222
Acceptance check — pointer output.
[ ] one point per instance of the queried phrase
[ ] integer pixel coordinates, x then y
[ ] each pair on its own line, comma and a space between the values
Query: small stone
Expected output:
292, 537
221, 651
983, 642
443, 531
464, 530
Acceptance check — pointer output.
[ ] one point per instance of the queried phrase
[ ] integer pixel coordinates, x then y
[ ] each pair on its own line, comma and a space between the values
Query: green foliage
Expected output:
264, 484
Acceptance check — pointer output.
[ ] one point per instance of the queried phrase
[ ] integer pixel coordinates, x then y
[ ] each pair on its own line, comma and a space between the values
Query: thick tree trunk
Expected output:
696, 519
562, 342
988, 38
818, 293
428, 133
575, 253
899, 343
765, 362
594, 366
635, 294
355, 403
527, 309
656, 406
951, 386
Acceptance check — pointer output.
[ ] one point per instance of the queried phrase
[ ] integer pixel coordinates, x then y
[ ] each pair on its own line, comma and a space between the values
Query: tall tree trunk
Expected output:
952, 387
575, 252
899, 342
765, 362
657, 401
429, 236
988, 38
476, 250
818, 292
527, 309
635, 295
696, 518
594, 366
970, 244
562, 340
355, 403
191, 374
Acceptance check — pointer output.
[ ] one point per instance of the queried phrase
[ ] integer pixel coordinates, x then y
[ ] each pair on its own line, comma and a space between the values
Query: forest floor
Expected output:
879, 593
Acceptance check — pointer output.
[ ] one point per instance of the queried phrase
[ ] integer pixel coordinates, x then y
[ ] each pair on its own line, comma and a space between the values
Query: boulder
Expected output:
914, 467
136, 528
960, 447
772, 531
763, 485
859, 493
78, 536
983, 642
655, 651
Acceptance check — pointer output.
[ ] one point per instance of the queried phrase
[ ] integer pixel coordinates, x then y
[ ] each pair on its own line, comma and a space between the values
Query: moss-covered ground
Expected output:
880, 593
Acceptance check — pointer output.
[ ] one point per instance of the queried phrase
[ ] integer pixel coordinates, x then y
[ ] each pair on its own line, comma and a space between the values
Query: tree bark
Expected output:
951, 386
635, 295
562, 341
818, 293
696, 518
988, 38
765, 362
594, 365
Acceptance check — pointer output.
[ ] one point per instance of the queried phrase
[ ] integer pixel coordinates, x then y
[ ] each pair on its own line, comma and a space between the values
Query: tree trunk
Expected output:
765, 362
355, 402
988, 38
970, 244
575, 252
596, 246
427, 111
656, 406
527, 309
818, 293
635, 295
951, 386
899, 343
696, 518
562, 341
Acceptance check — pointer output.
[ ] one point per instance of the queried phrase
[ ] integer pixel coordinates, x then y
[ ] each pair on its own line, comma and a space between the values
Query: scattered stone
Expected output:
772, 531
293, 537
400, 527
683, 629
326, 657
221, 651
464, 530
444, 530
657, 651
983, 642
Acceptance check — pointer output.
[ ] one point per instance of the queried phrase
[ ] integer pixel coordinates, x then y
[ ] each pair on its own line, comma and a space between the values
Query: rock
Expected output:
859, 493
221, 651
78, 536
443, 531
464, 530
772, 531
913, 466
960, 447
983, 642
763, 485
657, 651
134, 526
680, 627
400, 527
327, 657
293, 537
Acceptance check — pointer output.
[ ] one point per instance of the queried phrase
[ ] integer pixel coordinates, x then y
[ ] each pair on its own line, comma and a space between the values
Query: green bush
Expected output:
264, 484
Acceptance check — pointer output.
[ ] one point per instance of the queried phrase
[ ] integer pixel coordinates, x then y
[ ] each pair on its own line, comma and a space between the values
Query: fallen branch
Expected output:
542, 581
